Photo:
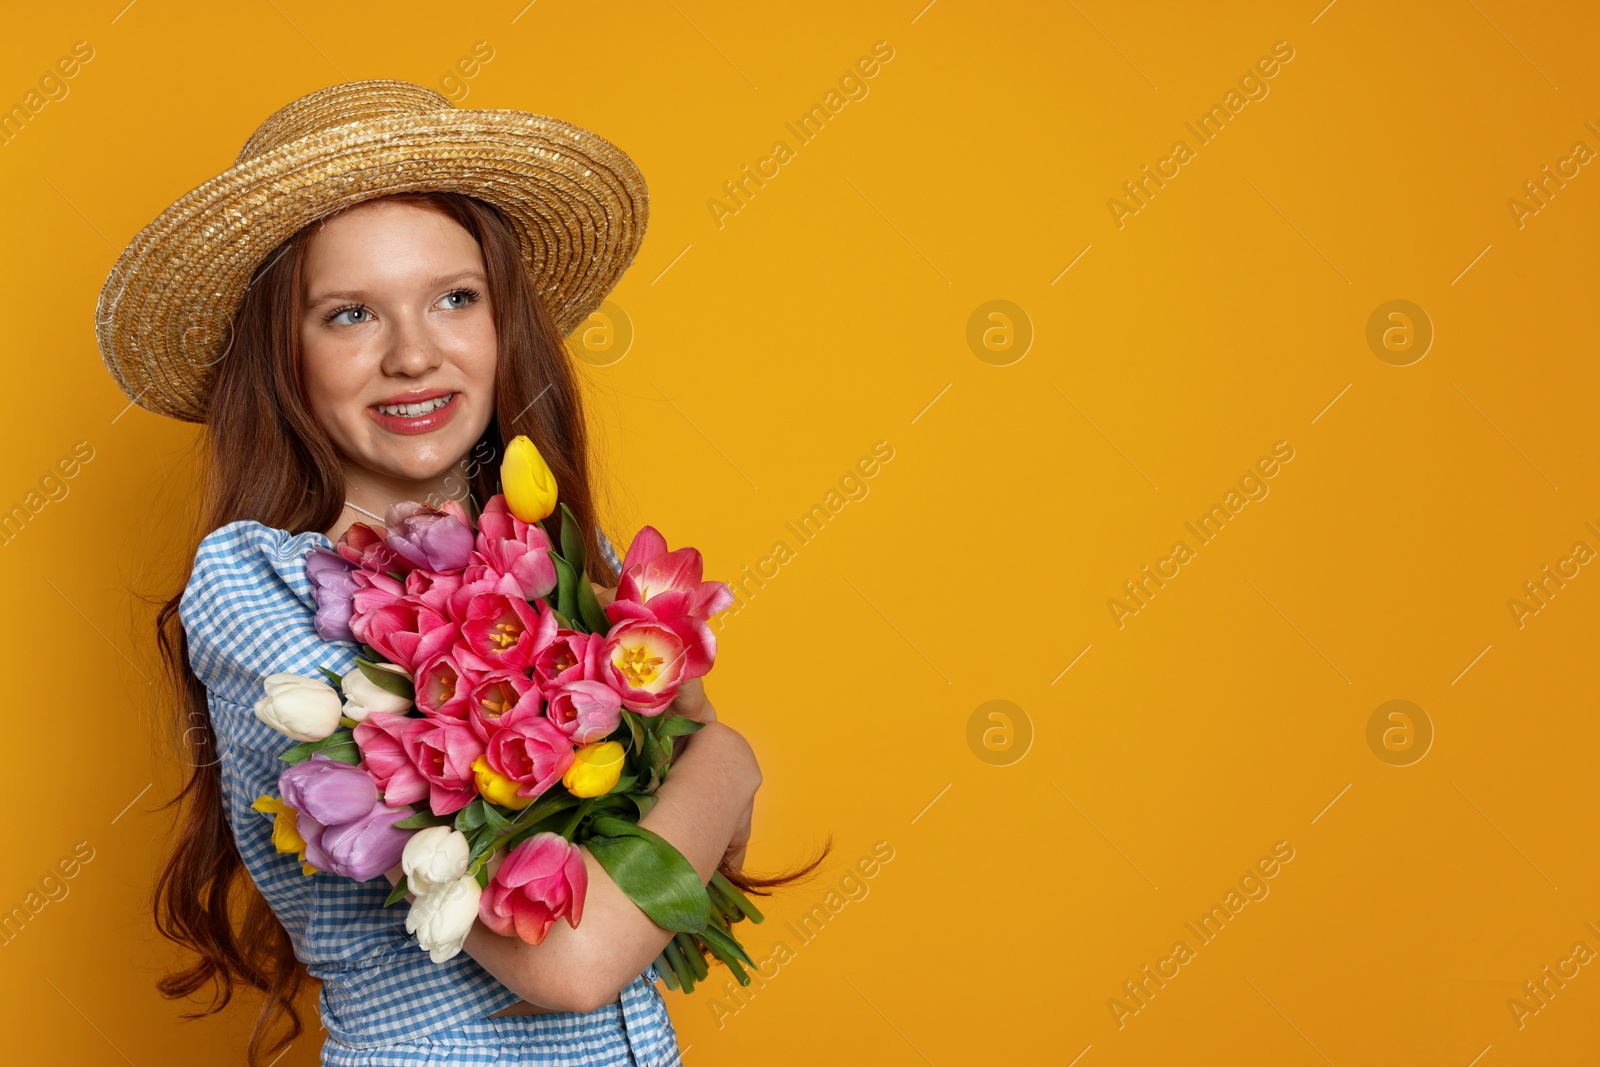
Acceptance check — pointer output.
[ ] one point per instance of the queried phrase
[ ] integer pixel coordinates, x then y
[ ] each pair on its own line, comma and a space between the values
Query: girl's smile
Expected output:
419, 411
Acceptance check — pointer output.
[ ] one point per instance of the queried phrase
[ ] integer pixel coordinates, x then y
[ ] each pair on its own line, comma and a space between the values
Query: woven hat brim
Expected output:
577, 204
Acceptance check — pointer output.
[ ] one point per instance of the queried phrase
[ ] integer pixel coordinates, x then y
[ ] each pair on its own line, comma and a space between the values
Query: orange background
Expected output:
1039, 862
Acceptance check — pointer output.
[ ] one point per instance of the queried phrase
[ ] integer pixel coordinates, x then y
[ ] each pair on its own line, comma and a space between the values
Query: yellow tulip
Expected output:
526, 481
496, 788
285, 829
595, 769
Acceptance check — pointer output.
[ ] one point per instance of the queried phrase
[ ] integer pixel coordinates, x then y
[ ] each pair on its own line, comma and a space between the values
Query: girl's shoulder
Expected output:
248, 608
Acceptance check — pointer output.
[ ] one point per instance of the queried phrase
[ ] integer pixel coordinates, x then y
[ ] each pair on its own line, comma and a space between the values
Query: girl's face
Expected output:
398, 340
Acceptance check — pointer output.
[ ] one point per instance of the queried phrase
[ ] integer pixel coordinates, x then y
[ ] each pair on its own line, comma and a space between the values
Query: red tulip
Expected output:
366, 547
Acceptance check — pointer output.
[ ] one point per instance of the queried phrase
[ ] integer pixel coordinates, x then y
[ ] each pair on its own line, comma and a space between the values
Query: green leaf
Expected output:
398, 684
339, 745
636, 728
624, 784
482, 841
679, 726
572, 542
545, 814
566, 587
335, 680
470, 817
494, 820
398, 893
422, 820
725, 946
643, 801
651, 872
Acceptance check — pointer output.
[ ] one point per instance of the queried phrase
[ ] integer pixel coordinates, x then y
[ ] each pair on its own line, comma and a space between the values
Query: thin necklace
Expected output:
364, 511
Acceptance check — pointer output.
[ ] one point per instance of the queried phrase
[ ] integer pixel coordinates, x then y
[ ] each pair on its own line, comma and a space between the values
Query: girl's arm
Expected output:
700, 811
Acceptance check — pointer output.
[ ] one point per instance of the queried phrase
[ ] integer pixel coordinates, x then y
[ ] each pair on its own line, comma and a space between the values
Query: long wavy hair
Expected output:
267, 458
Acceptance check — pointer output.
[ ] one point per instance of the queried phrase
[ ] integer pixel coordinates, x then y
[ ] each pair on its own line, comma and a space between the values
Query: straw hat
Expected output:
577, 203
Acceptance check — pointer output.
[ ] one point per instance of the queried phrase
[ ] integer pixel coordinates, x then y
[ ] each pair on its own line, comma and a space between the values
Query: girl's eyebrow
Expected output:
470, 274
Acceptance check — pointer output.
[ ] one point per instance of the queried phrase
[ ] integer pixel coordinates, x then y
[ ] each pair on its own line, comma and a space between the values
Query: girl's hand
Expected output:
604, 594
734, 857
691, 702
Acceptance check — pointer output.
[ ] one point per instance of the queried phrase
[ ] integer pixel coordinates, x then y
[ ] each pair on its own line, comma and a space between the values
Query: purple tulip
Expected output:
347, 829
436, 540
333, 582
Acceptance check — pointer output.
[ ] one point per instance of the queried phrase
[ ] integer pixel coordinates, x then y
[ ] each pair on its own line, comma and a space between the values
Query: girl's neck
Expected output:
368, 494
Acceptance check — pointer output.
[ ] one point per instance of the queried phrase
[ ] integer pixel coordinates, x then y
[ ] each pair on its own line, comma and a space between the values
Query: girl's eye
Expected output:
352, 309
466, 297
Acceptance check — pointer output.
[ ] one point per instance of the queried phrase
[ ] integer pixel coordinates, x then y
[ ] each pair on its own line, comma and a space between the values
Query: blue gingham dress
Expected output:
247, 611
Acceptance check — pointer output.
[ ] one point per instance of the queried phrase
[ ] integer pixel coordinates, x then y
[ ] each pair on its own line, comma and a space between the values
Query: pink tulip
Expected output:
532, 752
646, 662
500, 629
442, 750
499, 697
516, 548
371, 592
433, 590
570, 656
383, 756
585, 711
668, 583
699, 643
444, 682
541, 880
478, 578
407, 633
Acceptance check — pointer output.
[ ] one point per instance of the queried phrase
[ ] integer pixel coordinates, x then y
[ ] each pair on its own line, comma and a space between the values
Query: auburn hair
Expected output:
266, 458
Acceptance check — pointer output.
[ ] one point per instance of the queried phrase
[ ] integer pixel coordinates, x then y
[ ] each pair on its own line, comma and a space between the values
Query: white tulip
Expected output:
442, 917
306, 709
434, 858
363, 696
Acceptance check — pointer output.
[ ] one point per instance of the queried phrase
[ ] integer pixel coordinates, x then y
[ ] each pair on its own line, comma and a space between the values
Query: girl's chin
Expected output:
424, 465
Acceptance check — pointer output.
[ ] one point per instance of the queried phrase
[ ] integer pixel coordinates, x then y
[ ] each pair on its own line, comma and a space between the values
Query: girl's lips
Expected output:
402, 424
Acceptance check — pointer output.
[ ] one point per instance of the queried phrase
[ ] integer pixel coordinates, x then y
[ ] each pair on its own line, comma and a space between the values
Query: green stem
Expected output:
680, 966
533, 813
738, 971
664, 969
724, 903
696, 958
577, 817
739, 899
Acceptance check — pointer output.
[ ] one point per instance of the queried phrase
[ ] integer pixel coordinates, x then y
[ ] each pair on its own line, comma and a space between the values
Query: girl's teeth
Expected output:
412, 411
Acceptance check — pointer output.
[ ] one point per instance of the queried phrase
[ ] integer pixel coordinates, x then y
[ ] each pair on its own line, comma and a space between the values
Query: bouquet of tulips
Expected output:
498, 718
